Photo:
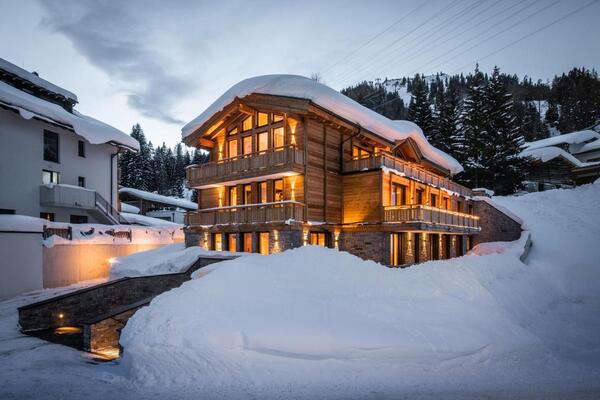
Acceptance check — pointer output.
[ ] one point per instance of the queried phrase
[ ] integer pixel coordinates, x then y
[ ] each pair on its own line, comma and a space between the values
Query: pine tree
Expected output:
445, 126
501, 154
136, 167
473, 133
419, 109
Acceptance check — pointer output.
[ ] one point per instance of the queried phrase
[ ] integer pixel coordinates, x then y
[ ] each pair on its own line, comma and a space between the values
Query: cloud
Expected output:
122, 42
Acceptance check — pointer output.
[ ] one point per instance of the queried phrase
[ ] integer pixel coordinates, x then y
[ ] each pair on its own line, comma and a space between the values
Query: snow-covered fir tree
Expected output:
136, 168
444, 133
504, 140
419, 109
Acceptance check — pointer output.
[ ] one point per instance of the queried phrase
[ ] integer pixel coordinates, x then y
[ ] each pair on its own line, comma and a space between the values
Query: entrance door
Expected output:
247, 242
396, 246
447, 244
417, 247
434, 246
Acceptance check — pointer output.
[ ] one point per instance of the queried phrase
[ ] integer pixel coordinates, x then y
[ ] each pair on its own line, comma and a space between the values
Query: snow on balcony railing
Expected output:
227, 167
407, 169
248, 213
429, 215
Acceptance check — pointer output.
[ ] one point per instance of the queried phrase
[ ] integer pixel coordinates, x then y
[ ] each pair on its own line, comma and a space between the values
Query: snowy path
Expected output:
545, 311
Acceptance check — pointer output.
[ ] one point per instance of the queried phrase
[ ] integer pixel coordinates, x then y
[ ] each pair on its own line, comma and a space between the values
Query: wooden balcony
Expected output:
430, 215
248, 214
272, 161
406, 168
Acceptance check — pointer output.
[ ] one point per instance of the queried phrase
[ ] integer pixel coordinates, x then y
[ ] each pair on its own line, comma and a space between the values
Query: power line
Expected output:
488, 38
435, 15
532, 33
433, 31
344, 58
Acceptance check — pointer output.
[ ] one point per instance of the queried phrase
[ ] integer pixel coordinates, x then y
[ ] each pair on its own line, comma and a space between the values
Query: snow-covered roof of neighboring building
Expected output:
546, 154
568, 138
128, 208
91, 129
36, 80
147, 221
593, 145
159, 198
332, 100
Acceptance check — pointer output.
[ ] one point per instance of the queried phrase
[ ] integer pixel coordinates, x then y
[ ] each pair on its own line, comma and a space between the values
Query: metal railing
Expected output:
404, 167
107, 209
430, 215
251, 213
197, 174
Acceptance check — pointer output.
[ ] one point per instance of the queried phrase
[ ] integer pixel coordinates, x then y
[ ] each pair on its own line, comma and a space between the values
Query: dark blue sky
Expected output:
161, 63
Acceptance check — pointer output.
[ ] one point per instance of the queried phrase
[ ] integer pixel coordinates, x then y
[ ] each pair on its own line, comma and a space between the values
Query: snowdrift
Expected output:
314, 317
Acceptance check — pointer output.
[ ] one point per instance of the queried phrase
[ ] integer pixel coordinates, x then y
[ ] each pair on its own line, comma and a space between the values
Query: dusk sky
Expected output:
162, 63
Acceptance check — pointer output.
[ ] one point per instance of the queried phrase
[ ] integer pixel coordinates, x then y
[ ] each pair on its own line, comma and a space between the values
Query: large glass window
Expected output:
232, 132
232, 242
359, 152
263, 141
398, 195
232, 148
247, 194
233, 196
81, 148
318, 239
247, 124
396, 255
263, 243
51, 146
278, 190
263, 119
262, 192
247, 144
278, 137
217, 241
50, 177
78, 219
247, 238
277, 118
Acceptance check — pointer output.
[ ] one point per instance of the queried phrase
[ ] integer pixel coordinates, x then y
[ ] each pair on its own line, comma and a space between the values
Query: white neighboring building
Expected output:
55, 163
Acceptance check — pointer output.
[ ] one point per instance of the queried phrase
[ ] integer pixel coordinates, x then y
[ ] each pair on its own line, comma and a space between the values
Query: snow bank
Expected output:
330, 99
314, 317
92, 130
21, 223
159, 198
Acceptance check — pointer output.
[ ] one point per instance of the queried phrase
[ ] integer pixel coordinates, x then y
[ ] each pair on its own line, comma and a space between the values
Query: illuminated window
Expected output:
263, 119
278, 137
50, 177
217, 242
232, 242
318, 239
232, 132
396, 255
277, 118
247, 145
232, 148
247, 237
247, 194
398, 195
263, 141
359, 152
278, 190
247, 124
232, 196
263, 243
262, 192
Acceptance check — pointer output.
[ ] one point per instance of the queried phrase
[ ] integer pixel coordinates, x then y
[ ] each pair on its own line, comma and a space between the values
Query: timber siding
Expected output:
317, 189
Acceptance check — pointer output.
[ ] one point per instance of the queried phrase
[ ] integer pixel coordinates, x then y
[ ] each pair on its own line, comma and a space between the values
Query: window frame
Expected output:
52, 174
80, 180
50, 135
275, 190
81, 148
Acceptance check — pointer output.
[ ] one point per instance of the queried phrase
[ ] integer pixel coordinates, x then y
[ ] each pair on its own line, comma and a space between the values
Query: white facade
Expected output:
176, 216
22, 163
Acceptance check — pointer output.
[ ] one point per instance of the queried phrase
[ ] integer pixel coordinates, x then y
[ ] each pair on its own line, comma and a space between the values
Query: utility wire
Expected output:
530, 34
435, 15
344, 58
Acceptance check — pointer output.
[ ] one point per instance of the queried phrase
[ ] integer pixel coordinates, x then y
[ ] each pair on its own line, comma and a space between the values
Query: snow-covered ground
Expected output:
316, 323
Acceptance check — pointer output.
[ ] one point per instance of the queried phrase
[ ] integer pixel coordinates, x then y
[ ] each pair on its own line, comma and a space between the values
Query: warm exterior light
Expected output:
61, 315
305, 237
112, 260
336, 237
292, 123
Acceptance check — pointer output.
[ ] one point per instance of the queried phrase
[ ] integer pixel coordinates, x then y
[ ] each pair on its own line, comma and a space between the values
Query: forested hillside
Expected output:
483, 119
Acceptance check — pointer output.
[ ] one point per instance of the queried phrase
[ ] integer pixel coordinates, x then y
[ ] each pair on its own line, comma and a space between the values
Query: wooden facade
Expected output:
290, 170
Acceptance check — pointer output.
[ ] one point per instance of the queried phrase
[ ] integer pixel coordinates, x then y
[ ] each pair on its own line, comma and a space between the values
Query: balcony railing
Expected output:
406, 168
237, 167
247, 214
430, 215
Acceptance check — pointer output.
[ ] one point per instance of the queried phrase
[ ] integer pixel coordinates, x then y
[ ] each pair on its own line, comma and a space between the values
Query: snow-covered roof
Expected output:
147, 221
593, 145
91, 129
332, 100
568, 138
21, 223
546, 154
34, 79
128, 208
159, 198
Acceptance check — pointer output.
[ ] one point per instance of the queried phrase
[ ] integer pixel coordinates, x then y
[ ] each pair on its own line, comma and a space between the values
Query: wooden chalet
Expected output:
285, 171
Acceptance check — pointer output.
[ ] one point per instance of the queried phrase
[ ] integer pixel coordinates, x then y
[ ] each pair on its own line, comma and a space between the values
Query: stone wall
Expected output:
285, 239
495, 225
367, 245
103, 336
